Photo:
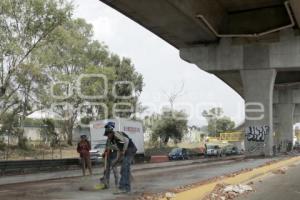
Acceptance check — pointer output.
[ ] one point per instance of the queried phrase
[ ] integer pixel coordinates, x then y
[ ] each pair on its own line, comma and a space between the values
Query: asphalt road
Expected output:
150, 181
277, 186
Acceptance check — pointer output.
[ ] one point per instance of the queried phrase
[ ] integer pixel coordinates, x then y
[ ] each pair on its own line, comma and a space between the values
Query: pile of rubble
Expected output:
150, 196
172, 193
280, 171
228, 192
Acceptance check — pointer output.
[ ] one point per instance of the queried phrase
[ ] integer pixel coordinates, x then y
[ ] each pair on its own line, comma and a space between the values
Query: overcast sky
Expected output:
160, 65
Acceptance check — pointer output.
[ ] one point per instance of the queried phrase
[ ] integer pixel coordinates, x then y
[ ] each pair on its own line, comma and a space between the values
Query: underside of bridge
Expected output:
252, 45
184, 23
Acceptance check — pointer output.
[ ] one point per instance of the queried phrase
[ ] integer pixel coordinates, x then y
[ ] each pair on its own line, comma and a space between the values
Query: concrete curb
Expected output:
200, 192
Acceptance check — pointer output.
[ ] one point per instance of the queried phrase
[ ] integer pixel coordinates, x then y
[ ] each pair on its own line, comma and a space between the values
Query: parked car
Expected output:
213, 150
202, 151
179, 154
231, 150
297, 146
97, 151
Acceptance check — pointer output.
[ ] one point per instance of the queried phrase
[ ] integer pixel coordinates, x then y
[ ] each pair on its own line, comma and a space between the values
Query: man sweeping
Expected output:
127, 150
111, 157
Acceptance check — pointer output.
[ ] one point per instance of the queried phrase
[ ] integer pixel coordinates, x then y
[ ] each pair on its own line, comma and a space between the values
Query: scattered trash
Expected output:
239, 189
280, 171
228, 192
170, 195
250, 183
150, 196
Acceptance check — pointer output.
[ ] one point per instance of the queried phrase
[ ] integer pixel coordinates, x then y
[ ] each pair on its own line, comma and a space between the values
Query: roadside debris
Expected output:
151, 196
239, 172
228, 192
170, 195
280, 171
239, 189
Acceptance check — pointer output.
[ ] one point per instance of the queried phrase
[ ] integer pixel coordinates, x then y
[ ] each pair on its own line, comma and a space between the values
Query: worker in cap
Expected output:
111, 157
83, 148
127, 150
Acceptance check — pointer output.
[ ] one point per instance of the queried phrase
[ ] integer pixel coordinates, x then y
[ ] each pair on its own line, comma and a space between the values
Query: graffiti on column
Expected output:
257, 133
255, 146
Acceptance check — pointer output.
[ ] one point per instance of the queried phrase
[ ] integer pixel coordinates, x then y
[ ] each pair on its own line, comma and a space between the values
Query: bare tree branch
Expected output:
172, 96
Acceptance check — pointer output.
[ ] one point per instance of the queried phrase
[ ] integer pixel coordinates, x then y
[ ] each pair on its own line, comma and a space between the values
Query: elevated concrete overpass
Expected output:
252, 45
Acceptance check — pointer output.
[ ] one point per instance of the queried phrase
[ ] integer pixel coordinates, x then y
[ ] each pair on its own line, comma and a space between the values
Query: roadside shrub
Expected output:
2, 145
23, 143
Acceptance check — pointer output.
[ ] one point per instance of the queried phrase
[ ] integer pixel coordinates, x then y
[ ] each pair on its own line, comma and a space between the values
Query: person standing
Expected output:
83, 148
127, 151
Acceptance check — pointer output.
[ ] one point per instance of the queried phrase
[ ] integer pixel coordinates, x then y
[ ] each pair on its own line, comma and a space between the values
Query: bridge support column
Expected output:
285, 113
258, 85
285, 126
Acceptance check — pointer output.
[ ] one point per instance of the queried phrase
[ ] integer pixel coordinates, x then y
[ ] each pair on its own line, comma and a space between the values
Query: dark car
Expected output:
231, 150
179, 154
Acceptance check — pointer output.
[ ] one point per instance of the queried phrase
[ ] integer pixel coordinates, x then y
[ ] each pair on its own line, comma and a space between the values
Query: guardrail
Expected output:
31, 166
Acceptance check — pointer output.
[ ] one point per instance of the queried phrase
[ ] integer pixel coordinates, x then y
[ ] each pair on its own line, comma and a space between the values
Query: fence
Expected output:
37, 153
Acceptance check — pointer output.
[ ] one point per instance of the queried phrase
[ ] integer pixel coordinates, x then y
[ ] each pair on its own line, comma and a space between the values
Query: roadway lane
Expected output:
278, 186
12, 179
152, 181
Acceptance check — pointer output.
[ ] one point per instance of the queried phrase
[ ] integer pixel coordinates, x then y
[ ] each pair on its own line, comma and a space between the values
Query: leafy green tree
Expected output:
65, 58
48, 132
10, 127
216, 122
73, 53
9, 124
25, 28
224, 124
170, 125
41, 44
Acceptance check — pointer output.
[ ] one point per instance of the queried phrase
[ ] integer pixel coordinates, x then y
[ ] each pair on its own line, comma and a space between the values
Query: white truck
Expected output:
134, 129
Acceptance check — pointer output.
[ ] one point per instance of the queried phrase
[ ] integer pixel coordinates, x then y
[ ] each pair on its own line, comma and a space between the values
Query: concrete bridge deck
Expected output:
252, 45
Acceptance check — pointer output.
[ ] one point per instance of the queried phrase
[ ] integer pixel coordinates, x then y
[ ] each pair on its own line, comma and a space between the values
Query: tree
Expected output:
170, 125
224, 124
65, 58
9, 125
25, 27
48, 132
172, 96
42, 44
73, 53
216, 122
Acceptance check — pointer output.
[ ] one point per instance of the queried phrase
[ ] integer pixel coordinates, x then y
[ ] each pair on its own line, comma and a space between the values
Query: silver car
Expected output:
213, 150
97, 151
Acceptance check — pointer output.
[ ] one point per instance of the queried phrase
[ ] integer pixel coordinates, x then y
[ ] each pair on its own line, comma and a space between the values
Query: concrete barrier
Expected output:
159, 159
